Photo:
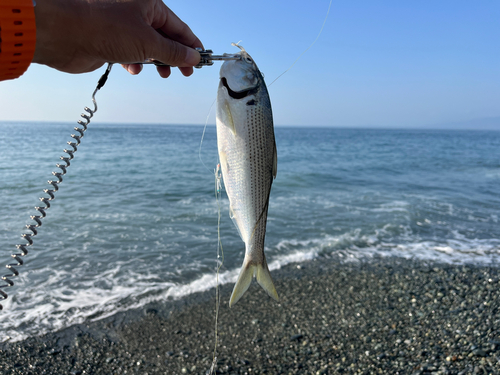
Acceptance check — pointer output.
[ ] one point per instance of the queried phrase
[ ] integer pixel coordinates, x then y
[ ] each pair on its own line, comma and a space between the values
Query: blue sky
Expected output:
390, 64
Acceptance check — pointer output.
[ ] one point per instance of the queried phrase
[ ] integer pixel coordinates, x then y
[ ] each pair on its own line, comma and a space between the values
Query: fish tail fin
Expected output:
243, 282
261, 271
265, 281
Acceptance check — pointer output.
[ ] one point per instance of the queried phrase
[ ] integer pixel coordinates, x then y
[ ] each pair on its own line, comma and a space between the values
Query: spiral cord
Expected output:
37, 219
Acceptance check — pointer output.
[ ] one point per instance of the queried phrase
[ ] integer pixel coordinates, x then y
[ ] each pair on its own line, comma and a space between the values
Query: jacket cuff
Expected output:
17, 37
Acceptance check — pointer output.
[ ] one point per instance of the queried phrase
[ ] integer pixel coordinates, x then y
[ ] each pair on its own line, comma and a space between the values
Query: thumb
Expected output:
173, 53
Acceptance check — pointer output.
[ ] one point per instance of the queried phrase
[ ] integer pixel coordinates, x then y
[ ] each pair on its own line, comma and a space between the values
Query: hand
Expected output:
77, 36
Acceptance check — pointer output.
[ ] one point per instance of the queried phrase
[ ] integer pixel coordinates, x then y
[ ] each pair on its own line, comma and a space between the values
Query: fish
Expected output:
248, 159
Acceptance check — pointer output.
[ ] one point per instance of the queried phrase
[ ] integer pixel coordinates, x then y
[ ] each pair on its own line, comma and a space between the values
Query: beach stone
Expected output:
494, 344
479, 353
360, 325
381, 356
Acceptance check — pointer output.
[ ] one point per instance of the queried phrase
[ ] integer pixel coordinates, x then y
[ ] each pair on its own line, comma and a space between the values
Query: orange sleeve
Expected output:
17, 37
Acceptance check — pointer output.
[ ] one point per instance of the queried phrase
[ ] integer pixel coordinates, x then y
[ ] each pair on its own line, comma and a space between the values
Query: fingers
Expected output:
171, 52
133, 68
171, 26
164, 71
186, 71
176, 39
167, 39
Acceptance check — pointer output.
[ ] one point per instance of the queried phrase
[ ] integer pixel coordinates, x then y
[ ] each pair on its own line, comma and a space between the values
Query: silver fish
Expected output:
248, 158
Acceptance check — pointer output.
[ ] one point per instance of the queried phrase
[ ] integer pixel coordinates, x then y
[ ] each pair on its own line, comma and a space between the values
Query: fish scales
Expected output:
247, 152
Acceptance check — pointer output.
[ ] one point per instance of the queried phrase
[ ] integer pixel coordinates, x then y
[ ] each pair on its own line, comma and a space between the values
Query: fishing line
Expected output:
203, 135
220, 251
220, 262
308, 48
218, 196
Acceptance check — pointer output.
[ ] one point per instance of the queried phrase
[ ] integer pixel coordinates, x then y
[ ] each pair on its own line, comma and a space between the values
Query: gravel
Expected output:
381, 316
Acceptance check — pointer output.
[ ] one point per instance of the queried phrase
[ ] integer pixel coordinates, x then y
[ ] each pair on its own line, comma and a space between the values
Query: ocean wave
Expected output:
130, 243
56, 303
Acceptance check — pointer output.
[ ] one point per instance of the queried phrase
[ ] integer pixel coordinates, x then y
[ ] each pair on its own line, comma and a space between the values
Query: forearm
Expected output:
60, 30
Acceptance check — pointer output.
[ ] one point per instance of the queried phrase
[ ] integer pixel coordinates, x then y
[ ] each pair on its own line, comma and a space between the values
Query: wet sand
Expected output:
382, 316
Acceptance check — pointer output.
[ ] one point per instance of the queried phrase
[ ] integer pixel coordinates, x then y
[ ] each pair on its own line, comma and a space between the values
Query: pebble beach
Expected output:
379, 316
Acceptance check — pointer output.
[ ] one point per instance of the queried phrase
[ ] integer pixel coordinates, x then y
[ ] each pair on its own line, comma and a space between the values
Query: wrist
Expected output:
63, 35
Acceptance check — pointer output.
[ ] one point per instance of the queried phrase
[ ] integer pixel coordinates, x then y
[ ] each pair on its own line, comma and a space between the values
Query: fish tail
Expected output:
261, 271
265, 281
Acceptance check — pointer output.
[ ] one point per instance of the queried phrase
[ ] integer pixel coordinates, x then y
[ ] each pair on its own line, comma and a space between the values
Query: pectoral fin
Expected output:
235, 220
229, 118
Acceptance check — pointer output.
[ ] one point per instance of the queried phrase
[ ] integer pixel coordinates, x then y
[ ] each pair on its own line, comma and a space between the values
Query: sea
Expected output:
136, 217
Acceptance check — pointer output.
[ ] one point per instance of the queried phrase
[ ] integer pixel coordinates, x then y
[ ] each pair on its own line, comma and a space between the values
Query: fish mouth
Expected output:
236, 94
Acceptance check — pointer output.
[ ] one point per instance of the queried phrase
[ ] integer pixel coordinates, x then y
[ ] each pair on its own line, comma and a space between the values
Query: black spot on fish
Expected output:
251, 102
237, 94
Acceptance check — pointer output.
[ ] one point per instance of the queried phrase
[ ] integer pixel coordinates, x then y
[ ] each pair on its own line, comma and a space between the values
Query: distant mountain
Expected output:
487, 123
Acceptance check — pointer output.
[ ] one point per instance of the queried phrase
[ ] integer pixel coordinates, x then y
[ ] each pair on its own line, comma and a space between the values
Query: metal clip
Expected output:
207, 58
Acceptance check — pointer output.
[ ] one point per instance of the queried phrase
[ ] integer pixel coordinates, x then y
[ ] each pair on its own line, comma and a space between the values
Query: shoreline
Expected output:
382, 315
